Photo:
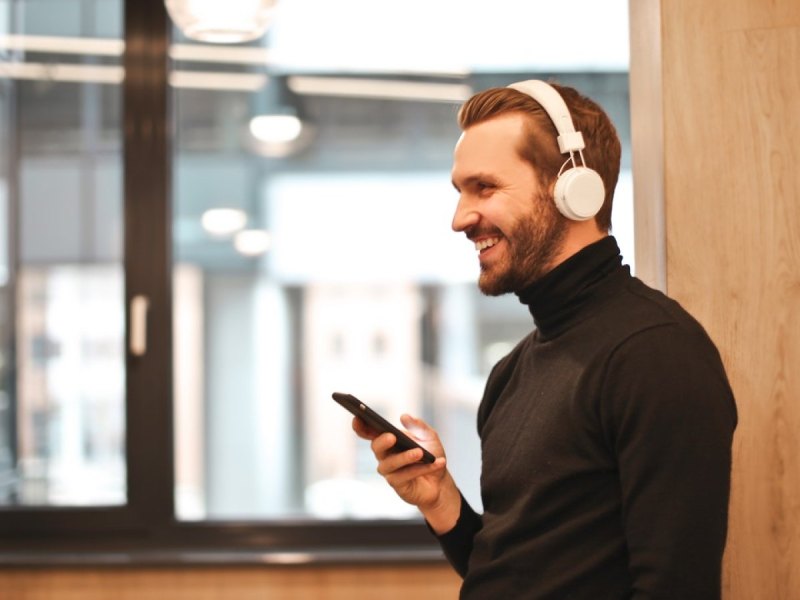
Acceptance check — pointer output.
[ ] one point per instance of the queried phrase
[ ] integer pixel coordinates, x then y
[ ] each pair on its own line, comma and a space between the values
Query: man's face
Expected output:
502, 208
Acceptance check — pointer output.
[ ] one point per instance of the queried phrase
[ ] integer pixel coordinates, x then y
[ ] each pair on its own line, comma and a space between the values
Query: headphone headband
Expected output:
569, 140
579, 191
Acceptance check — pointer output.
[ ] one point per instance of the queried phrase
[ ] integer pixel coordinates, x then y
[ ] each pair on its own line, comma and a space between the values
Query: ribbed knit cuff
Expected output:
457, 543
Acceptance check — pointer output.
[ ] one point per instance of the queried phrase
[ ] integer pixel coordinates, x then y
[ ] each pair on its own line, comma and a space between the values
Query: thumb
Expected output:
418, 428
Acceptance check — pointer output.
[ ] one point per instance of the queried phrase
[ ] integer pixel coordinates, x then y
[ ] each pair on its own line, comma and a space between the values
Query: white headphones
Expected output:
579, 192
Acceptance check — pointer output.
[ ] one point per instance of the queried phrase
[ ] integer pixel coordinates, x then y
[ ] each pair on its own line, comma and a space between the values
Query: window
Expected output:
62, 404
274, 270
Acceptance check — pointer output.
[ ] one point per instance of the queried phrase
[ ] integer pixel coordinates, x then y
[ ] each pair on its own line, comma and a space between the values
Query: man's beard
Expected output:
533, 245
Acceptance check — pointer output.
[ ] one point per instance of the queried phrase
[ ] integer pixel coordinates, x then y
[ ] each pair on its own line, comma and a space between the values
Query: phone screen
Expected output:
378, 423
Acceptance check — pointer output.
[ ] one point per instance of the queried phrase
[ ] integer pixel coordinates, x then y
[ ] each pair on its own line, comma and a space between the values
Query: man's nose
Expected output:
465, 216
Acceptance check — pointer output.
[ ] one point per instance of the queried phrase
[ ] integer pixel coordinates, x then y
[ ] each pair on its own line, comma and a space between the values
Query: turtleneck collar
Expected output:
555, 299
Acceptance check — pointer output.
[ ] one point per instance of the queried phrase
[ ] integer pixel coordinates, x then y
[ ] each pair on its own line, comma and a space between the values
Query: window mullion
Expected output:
147, 182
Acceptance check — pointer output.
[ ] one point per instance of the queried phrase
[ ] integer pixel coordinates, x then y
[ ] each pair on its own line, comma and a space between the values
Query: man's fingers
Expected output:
418, 428
391, 462
402, 476
382, 444
363, 430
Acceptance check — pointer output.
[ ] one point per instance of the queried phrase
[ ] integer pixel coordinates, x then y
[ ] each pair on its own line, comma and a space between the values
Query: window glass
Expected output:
62, 428
325, 262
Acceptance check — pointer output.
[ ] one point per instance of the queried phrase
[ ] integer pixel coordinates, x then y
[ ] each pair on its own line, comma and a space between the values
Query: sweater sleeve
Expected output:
457, 543
671, 422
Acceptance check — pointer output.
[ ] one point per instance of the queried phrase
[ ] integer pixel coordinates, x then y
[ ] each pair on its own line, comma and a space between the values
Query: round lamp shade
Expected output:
221, 21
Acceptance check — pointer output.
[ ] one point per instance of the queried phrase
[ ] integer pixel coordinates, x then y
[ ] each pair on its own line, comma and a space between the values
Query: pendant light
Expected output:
279, 127
221, 21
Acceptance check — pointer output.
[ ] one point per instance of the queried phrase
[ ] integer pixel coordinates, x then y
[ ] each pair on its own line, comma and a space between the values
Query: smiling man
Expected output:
606, 432
518, 240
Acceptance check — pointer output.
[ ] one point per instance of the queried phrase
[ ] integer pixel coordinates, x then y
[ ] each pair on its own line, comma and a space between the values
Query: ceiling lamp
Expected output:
252, 242
221, 21
279, 135
222, 222
276, 129
280, 127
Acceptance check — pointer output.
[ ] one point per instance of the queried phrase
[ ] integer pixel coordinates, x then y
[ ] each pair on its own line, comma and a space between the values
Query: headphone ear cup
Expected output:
579, 193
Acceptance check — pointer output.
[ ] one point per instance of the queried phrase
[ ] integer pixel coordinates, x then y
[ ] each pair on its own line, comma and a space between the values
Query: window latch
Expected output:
138, 323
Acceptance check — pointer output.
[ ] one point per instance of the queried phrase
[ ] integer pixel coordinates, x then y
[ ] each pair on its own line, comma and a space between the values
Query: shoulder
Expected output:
643, 307
657, 359
654, 330
669, 375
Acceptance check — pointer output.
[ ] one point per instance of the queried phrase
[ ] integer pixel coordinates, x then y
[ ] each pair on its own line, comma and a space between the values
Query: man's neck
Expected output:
579, 235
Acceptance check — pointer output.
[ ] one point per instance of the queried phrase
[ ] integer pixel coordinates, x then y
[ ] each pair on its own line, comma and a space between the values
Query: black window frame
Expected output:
146, 528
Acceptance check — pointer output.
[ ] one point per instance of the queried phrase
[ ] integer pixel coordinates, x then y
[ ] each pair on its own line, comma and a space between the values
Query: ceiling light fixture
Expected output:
222, 222
221, 22
279, 134
276, 129
252, 242
280, 127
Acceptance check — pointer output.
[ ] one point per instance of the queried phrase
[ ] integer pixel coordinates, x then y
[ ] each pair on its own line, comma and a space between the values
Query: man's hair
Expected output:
540, 146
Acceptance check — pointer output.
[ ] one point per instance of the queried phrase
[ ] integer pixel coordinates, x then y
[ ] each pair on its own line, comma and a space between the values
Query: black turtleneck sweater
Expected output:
606, 448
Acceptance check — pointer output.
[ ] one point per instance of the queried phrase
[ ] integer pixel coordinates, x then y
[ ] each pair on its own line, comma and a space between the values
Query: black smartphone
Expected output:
378, 423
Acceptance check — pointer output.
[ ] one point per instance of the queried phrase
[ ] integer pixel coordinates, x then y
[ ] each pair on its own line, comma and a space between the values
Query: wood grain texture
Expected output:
761, 71
647, 141
731, 112
245, 583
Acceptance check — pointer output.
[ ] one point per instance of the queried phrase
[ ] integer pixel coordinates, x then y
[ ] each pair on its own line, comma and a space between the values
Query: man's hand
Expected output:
429, 487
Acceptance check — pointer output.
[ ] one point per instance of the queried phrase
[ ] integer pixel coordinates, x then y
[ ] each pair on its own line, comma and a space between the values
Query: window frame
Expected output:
146, 529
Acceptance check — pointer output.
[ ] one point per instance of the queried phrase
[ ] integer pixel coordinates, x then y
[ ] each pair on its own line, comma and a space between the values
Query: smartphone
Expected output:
378, 423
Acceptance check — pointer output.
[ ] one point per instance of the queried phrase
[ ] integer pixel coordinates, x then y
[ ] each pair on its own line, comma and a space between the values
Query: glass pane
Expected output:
62, 357
327, 263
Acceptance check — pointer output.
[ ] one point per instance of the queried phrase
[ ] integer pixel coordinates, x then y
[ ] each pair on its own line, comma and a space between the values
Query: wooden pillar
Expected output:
723, 172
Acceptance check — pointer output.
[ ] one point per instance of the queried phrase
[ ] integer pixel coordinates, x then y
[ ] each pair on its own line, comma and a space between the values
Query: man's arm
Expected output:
671, 422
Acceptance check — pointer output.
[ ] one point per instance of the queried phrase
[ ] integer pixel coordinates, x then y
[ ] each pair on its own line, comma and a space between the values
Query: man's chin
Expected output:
493, 286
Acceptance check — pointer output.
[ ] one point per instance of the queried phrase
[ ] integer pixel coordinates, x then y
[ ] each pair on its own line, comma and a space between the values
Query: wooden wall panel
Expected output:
762, 71
244, 583
730, 75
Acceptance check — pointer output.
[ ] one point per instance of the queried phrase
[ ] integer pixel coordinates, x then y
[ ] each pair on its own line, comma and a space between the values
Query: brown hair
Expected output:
540, 147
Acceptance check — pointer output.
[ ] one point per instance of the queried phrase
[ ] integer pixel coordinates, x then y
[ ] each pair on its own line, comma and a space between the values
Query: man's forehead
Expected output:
489, 141
502, 132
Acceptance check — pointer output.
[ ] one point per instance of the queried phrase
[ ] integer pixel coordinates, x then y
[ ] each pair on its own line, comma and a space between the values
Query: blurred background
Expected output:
310, 246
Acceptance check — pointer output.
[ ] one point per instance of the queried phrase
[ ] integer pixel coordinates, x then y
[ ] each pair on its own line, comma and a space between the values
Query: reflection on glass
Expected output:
361, 286
62, 376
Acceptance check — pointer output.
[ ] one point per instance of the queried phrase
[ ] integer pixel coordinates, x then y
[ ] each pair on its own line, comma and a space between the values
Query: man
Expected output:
606, 433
